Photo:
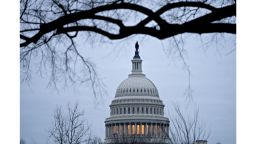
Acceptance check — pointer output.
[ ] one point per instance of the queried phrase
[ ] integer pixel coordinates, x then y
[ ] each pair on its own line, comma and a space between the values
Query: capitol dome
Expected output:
137, 85
137, 112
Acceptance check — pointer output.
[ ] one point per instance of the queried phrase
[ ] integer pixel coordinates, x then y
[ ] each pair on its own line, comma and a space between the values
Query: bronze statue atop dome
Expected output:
137, 50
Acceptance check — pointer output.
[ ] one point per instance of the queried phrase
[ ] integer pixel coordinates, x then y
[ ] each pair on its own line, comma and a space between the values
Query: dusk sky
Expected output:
212, 62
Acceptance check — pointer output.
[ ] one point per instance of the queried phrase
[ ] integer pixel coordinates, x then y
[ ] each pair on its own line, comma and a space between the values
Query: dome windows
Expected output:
141, 110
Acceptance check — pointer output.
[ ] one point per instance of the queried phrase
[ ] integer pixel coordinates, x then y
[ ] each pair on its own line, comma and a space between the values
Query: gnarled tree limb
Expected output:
199, 25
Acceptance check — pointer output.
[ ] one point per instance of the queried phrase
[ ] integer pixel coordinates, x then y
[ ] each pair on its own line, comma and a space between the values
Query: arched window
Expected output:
151, 110
138, 110
124, 110
120, 111
133, 110
146, 110
142, 110
128, 110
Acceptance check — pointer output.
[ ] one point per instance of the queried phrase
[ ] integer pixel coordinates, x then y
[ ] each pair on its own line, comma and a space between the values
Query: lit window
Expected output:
138, 129
128, 129
133, 129
142, 129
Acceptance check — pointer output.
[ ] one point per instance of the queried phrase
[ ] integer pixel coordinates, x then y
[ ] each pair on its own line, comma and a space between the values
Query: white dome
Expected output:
137, 85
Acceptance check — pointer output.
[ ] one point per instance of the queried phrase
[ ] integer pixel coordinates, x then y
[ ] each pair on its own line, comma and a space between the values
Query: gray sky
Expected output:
212, 66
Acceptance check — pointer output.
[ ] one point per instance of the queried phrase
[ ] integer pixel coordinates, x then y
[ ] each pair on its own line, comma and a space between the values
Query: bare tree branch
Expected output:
199, 25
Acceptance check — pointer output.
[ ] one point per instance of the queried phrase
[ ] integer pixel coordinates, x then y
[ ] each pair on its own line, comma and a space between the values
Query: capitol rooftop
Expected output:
137, 112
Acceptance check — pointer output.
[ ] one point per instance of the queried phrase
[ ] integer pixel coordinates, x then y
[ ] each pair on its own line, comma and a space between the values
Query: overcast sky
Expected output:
212, 64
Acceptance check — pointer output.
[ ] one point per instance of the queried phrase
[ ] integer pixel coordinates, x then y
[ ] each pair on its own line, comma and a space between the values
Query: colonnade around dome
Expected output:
137, 129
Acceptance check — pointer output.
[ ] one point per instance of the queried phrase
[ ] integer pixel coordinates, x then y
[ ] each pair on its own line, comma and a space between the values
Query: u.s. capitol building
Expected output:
137, 112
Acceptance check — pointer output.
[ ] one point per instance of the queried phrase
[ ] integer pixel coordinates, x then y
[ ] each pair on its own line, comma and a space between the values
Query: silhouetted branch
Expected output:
200, 25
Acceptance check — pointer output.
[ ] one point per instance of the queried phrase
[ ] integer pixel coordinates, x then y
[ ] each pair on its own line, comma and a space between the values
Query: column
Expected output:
135, 125
161, 130
166, 130
119, 129
110, 130
130, 125
146, 132
140, 129
125, 129
106, 130
150, 129
155, 130
158, 129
